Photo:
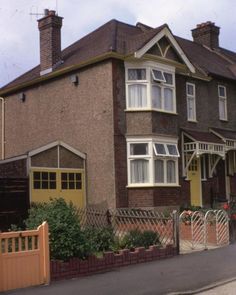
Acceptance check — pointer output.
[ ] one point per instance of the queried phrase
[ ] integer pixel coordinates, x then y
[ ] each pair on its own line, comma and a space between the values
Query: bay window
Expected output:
150, 87
152, 162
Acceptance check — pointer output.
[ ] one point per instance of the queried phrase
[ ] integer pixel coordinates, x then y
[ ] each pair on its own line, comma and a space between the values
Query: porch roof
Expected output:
201, 136
225, 133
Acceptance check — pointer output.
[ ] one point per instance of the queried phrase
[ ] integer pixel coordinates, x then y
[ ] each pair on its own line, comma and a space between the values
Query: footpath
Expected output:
183, 274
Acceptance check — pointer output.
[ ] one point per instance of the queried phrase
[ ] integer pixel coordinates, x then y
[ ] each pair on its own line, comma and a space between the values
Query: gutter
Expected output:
3, 128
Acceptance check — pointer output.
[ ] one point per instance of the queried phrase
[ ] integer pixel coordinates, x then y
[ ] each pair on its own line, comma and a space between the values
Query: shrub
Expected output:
136, 238
66, 238
100, 239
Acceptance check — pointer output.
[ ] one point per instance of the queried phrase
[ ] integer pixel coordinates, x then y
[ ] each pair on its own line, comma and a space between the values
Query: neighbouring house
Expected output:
128, 116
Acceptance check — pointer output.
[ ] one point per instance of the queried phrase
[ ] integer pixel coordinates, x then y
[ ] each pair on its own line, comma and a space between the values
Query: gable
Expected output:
165, 41
163, 48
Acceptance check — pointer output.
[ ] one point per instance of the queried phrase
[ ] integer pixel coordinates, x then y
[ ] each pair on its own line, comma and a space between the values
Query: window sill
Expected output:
151, 185
192, 121
150, 110
224, 120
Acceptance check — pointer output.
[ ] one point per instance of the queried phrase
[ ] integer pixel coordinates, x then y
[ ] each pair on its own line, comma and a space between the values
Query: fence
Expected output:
24, 258
14, 201
124, 220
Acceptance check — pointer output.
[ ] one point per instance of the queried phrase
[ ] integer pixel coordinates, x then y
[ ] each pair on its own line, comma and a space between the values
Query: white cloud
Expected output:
19, 45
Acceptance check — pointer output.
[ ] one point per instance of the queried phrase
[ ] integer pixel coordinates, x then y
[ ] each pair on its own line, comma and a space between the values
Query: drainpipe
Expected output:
3, 128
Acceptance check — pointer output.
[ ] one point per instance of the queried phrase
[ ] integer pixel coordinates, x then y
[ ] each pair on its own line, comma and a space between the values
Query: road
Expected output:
174, 275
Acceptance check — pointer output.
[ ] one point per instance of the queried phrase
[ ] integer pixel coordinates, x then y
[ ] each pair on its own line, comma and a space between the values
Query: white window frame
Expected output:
151, 157
193, 98
149, 82
224, 100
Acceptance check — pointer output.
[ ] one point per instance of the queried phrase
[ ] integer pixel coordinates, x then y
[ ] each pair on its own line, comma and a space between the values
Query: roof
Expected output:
203, 136
124, 39
225, 133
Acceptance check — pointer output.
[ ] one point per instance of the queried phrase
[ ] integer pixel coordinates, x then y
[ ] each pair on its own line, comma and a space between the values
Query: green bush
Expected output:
100, 239
137, 238
66, 238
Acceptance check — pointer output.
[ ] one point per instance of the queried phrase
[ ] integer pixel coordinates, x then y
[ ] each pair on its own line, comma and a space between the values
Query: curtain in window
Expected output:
171, 178
156, 97
139, 171
168, 99
159, 171
222, 108
137, 95
190, 105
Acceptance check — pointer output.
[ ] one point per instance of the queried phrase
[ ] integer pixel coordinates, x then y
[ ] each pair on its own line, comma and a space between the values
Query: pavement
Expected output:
196, 273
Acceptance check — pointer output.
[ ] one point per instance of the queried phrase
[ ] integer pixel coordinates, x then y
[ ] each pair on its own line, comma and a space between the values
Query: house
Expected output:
128, 116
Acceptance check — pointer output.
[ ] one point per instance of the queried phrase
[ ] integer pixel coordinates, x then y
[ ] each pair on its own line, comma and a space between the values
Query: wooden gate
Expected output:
24, 258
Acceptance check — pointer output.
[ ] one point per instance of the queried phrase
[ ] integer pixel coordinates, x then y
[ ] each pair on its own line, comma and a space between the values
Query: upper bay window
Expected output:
222, 103
150, 87
152, 162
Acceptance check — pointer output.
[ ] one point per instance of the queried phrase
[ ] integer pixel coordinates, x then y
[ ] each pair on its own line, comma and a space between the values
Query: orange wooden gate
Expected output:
24, 258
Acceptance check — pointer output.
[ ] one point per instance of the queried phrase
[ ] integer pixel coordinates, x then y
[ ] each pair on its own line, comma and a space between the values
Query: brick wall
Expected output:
77, 268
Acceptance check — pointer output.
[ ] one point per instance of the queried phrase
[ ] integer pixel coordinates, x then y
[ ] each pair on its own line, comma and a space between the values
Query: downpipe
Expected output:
3, 128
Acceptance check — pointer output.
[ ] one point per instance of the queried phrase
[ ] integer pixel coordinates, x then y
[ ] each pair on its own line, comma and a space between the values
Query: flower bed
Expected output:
76, 267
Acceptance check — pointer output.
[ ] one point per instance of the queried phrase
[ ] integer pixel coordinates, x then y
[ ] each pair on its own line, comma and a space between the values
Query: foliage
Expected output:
66, 238
100, 239
137, 238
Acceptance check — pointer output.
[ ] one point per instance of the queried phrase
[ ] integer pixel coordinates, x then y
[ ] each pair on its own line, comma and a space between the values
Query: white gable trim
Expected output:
165, 32
54, 144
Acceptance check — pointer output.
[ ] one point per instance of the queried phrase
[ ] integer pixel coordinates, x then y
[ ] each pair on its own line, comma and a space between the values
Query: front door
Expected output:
194, 175
49, 183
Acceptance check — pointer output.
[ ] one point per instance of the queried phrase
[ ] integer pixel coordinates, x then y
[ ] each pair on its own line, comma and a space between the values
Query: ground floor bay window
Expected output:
152, 162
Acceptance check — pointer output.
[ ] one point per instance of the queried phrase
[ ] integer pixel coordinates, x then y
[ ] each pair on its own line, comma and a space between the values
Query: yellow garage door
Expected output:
55, 183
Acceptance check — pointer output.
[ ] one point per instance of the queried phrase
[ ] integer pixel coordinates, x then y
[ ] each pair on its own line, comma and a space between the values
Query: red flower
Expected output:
226, 206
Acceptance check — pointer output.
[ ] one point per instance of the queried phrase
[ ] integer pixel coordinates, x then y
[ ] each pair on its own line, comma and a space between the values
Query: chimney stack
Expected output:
50, 41
206, 34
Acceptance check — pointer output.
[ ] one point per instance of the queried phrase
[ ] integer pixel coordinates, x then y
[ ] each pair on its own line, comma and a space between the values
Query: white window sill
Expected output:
193, 121
151, 185
224, 120
150, 110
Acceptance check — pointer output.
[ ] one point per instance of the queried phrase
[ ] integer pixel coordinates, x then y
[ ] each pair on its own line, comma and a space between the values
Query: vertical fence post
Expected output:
176, 229
1, 267
46, 253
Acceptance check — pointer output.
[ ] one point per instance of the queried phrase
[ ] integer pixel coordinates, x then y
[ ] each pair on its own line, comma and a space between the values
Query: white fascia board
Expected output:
13, 159
165, 32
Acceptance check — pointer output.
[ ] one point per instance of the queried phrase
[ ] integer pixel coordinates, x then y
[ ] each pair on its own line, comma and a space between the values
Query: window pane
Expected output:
137, 94
158, 75
191, 108
160, 149
71, 185
168, 99
190, 89
222, 91
172, 149
45, 175
139, 149
159, 171
52, 175
137, 74
156, 97
171, 178
37, 175
139, 171
168, 78
222, 108
71, 176
78, 176
64, 176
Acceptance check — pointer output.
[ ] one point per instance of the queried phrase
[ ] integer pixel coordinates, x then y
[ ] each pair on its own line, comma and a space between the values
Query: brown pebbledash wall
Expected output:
81, 116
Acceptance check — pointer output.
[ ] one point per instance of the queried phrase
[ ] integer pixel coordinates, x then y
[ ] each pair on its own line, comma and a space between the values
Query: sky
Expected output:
19, 36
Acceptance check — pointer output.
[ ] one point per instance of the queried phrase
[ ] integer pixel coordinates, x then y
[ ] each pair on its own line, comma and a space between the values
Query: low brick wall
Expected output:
76, 267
